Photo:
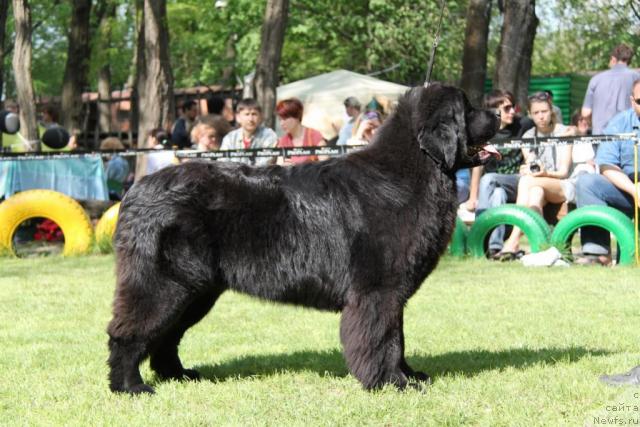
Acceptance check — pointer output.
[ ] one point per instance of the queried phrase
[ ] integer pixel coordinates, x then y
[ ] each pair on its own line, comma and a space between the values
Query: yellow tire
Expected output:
106, 227
58, 207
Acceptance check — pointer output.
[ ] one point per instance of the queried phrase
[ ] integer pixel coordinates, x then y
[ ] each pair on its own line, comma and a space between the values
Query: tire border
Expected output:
105, 228
530, 222
607, 217
458, 244
58, 207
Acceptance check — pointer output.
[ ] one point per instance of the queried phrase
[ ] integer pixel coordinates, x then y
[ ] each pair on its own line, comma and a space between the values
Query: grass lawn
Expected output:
505, 345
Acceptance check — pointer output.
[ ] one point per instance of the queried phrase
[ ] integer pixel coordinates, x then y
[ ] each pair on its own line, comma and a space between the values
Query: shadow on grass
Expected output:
331, 363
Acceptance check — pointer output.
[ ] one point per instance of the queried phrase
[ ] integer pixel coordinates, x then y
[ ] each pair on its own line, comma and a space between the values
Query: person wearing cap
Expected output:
352, 107
364, 127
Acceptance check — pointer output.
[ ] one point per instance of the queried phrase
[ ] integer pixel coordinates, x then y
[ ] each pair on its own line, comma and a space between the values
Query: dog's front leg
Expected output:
371, 335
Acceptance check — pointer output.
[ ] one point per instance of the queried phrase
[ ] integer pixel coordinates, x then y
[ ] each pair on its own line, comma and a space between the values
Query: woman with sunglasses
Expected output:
544, 178
496, 183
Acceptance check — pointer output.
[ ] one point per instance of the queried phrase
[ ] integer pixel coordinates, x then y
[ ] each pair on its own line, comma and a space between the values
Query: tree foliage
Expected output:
577, 36
390, 37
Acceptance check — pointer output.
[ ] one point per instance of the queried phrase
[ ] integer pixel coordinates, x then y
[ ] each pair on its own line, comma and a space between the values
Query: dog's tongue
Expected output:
488, 151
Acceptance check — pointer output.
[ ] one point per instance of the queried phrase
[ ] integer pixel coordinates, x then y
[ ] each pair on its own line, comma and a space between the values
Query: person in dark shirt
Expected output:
180, 134
496, 183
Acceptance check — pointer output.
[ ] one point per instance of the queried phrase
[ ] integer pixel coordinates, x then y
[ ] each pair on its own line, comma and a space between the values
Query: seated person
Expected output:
365, 127
352, 109
158, 139
208, 133
183, 125
499, 183
614, 186
290, 114
116, 168
251, 133
545, 176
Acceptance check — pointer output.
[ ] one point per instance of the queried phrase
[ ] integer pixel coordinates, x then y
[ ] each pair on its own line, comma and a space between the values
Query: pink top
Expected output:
310, 138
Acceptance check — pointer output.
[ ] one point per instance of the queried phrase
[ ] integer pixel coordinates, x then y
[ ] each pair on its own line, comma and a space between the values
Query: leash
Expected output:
436, 40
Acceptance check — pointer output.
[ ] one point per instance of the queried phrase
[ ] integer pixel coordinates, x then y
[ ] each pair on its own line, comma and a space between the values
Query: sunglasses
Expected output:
636, 100
507, 108
539, 96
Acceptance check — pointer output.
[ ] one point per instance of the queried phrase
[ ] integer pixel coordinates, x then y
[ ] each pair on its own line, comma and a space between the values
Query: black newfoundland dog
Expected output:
356, 234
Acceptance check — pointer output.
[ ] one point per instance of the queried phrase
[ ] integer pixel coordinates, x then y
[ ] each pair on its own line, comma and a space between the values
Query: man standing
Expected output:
182, 127
352, 107
608, 92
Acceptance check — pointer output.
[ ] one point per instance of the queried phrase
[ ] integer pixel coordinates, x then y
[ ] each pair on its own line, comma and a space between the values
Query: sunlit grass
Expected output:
505, 345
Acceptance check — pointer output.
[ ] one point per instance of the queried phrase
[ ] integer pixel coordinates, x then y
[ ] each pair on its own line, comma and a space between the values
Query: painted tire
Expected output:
605, 217
458, 244
58, 207
530, 222
106, 227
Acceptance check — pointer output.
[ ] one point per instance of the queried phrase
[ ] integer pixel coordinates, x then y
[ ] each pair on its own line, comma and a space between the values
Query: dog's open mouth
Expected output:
484, 152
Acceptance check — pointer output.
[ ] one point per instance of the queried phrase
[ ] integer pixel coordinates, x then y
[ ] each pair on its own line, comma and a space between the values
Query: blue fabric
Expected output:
594, 189
619, 153
117, 169
345, 132
82, 178
463, 178
496, 189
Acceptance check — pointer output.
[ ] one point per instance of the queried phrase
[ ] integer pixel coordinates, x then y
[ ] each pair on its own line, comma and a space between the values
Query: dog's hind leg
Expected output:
141, 314
164, 357
371, 335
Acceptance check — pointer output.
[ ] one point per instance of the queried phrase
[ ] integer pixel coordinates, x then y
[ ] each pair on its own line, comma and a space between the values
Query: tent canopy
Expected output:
323, 97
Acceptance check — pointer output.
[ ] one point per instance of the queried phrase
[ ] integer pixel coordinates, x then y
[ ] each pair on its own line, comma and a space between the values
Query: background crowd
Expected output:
539, 178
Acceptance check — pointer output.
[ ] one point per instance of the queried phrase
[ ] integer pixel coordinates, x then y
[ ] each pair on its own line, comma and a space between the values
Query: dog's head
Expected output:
450, 130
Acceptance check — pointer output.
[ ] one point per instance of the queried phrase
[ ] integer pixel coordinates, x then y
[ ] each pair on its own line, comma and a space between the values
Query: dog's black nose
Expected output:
496, 111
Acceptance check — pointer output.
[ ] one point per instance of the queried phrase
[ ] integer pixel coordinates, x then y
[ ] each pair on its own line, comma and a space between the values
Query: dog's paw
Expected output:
140, 389
190, 375
420, 376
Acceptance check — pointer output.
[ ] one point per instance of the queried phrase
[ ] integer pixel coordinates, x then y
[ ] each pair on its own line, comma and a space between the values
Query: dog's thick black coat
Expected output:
356, 234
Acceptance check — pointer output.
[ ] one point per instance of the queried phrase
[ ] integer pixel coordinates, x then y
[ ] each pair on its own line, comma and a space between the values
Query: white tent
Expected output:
323, 97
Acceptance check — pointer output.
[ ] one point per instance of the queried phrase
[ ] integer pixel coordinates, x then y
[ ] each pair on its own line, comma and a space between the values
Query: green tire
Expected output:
530, 222
605, 217
458, 245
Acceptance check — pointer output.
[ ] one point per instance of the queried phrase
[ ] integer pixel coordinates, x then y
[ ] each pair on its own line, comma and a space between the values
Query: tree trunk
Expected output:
513, 65
155, 79
4, 11
77, 66
524, 68
137, 62
22, 73
474, 57
228, 79
272, 39
106, 15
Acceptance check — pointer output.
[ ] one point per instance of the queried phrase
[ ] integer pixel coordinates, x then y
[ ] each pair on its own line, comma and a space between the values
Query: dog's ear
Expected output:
442, 138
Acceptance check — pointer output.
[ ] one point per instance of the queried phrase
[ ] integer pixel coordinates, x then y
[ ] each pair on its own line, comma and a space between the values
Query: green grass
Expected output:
505, 345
